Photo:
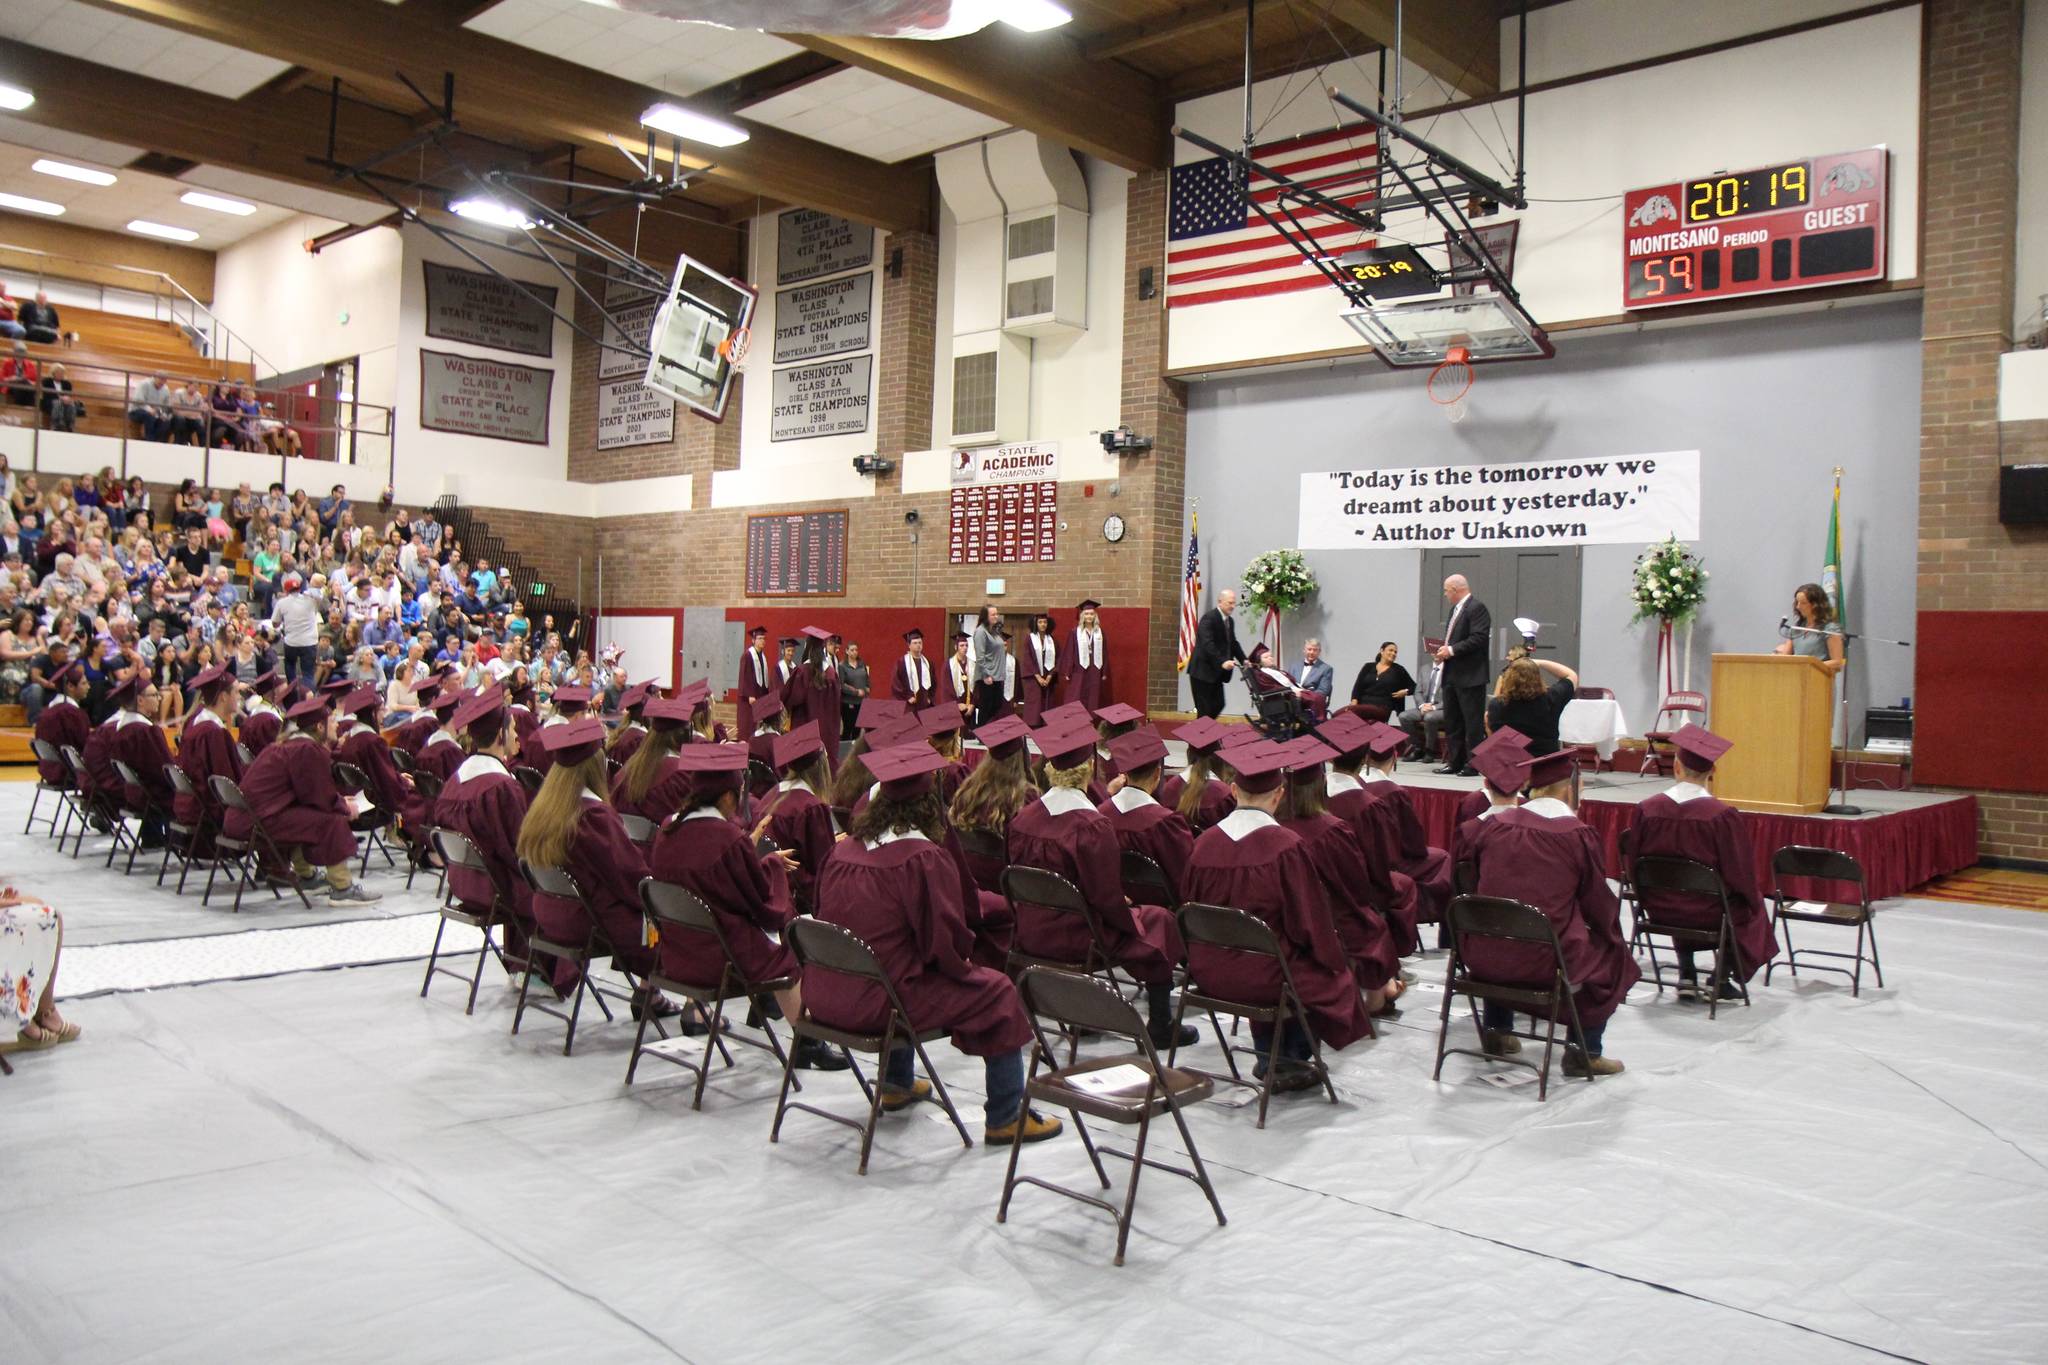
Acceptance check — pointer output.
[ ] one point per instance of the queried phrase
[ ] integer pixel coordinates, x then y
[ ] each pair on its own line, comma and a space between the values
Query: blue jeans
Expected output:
1003, 1076
1294, 1046
12, 329
33, 698
1501, 1018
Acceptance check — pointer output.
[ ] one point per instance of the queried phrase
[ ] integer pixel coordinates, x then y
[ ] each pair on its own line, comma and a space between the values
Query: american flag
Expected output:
1219, 248
1191, 592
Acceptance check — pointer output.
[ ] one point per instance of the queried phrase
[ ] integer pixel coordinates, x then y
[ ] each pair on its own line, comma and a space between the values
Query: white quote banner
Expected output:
1603, 501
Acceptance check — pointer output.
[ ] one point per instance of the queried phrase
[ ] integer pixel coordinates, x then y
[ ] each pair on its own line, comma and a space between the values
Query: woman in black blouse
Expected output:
1382, 685
1530, 696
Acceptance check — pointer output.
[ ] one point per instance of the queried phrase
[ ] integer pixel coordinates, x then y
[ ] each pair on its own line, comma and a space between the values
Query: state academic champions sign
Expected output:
1592, 501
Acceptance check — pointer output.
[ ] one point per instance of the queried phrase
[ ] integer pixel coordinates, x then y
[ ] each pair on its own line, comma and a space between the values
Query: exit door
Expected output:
1542, 584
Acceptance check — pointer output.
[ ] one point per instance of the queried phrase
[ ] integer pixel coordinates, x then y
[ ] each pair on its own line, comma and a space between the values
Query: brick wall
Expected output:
1157, 407
908, 344
552, 547
1970, 164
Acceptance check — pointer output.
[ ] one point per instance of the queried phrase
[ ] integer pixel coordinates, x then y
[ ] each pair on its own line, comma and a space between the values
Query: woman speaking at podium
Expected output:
1811, 631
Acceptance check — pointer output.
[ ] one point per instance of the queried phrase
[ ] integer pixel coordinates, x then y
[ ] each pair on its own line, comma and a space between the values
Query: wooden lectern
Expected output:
1779, 711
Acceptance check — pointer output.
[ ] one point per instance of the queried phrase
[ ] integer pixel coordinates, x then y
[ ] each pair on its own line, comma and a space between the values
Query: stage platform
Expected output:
1904, 839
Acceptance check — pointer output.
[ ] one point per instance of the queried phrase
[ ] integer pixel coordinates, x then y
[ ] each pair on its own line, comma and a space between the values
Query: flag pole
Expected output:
1840, 788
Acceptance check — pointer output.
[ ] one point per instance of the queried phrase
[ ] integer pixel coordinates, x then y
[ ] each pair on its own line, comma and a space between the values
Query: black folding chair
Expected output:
369, 824
557, 883
1506, 922
529, 779
102, 813
243, 752
150, 813
675, 912
1230, 930
1080, 1005
256, 858
418, 850
827, 948
986, 856
1654, 875
457, 851
639, 828
1830, 865
63, 790
1049, 891
1145, 882
180, 839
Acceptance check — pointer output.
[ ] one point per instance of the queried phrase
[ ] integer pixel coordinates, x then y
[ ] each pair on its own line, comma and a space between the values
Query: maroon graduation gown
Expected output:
757, 679
413, 735
626, 743
441, 757
140, 743
918, 694
800, 822
1158, 832
63, 721
1471, 803
903, 899
1036, 699
532, 753
1430, 868
607, 867
761, 749
1216, 800
713, 858
524, 722
820, 706
1389, 890
487, 808
1554, 863
1090, 685
1081, 846
947, 693
205, 751
663, 797
291, 788
1711, 832
1334, 849
99, 758
366, 749
1269, 873
258, 731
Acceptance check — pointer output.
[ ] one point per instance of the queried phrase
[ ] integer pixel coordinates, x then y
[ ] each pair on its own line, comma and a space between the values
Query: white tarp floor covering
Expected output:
318, 1165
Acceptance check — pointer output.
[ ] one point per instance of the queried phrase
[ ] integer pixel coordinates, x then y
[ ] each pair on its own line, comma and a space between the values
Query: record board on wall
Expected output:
801, 554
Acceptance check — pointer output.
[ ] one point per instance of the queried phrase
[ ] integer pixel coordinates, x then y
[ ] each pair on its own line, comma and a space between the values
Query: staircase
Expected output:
475, 534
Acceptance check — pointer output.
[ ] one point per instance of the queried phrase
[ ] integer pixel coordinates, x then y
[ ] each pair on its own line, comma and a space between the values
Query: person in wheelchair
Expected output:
1283, 707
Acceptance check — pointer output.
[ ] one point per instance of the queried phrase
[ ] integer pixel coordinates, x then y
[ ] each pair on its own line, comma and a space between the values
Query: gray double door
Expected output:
1542, 584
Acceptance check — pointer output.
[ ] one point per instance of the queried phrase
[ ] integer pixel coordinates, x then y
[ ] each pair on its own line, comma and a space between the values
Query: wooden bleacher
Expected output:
112, 351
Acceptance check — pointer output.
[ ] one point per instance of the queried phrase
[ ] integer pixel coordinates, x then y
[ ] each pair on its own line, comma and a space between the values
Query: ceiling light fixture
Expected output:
14, 97
174, 234
692, 126
1034, 16
492, 212
28, 205
198, 199
65, 170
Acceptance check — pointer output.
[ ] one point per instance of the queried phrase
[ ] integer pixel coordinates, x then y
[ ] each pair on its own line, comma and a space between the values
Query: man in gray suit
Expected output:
989, 666
1425, 718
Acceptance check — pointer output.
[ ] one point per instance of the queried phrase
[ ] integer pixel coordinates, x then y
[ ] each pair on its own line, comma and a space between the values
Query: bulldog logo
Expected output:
1656, 209
1846, 176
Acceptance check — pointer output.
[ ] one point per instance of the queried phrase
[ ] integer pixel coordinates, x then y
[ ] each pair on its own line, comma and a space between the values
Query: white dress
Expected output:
28, 953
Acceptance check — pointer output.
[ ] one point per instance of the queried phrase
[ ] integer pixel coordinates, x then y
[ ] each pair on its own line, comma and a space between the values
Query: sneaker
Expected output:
894, 1099
1028, 1126
1576, 1063
1498, 1044
812, 1055
355, 894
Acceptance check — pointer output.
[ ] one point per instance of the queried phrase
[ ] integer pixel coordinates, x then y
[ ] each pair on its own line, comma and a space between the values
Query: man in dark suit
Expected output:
1465, 656
1216, 654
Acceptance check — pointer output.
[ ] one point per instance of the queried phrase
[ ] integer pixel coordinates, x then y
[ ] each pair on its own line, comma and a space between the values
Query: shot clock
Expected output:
1795, 225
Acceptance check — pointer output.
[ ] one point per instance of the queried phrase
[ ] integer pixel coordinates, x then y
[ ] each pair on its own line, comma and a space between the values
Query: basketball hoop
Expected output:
734, 348
1450, 381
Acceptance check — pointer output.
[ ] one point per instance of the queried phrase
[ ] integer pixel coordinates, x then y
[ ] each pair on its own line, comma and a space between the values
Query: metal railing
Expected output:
169, 301
349, 432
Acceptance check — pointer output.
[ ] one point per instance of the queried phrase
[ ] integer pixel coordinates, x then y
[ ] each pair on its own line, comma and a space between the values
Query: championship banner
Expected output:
484, 310
1023, 462
1620, 501
470, 396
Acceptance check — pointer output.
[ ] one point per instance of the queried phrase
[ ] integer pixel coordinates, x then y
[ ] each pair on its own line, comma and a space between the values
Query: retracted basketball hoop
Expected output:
1450, 381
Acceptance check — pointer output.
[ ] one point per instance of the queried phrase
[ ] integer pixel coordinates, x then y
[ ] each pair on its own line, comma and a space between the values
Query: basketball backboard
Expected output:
1423, 331
688, 361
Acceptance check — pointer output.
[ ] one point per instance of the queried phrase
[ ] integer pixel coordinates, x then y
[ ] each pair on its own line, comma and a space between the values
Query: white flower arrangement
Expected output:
1670, 583
1278, 580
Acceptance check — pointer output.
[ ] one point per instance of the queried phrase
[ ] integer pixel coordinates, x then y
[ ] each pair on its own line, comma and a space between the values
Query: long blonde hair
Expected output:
643, 769
1194, 780
549, 830
994, 792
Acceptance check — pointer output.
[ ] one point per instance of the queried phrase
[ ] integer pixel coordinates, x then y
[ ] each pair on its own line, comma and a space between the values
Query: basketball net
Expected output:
734, 349
1450, 381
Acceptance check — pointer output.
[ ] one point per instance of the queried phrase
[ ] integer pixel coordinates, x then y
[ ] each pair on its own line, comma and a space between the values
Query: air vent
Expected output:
1029, 298
974, 393
161, 163
1032, 237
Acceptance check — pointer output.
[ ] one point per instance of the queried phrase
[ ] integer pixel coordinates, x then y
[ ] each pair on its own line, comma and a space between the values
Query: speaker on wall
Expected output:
2023, 494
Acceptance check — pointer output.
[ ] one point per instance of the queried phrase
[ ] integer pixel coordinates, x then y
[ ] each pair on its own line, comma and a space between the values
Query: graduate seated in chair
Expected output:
894, 886
1201, 793
1686, 821
1430, 868
1252, 862
652, 783
794, 816
1540, 854
1377, 826
1340, 859
206, 750
1141, 823
1281, 703
290, 787
1061, 832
